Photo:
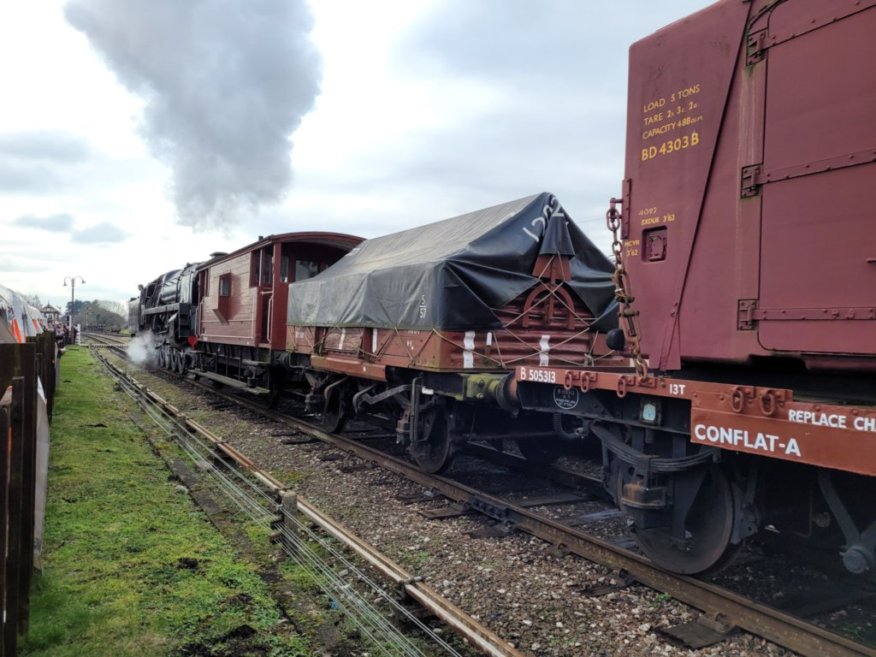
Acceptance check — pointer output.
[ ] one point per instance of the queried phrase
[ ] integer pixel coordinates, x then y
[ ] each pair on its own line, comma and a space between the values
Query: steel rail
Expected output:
463, 624
729, 608
105, 339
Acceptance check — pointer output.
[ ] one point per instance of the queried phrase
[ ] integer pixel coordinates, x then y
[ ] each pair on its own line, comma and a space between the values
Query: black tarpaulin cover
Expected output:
450, 274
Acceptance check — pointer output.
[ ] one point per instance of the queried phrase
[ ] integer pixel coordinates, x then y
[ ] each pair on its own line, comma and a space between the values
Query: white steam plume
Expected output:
142, 349
225, 83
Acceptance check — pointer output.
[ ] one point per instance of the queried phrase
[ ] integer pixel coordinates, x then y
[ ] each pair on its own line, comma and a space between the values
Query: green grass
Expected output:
131, 566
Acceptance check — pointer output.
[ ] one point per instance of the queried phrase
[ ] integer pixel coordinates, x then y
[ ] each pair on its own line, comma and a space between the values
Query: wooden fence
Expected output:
24, 412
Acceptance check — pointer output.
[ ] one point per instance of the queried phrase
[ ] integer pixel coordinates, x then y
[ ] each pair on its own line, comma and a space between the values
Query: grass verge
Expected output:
131, 566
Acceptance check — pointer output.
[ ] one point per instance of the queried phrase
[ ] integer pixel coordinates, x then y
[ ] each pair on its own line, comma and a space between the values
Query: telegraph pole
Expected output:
72, 280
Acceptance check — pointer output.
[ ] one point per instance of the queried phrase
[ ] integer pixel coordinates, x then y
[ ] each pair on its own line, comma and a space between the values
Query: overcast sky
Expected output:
138, 135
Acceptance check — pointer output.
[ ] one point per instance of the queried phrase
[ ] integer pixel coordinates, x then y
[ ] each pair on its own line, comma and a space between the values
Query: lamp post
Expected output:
72, 280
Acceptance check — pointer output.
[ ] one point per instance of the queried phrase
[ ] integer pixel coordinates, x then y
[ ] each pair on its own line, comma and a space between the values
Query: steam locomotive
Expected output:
724, 361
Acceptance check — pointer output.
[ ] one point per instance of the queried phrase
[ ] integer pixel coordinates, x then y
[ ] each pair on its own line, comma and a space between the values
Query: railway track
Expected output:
284, 512
105, 341
721, 609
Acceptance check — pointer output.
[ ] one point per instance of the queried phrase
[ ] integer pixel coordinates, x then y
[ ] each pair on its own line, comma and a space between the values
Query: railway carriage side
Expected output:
242, 308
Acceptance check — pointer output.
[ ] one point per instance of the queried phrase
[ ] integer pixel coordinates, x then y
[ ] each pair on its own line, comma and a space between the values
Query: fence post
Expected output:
289, 520
5, 441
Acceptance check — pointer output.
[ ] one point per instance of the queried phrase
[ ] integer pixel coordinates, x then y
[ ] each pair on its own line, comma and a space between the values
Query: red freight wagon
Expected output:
750, 190
747, 287
451, 308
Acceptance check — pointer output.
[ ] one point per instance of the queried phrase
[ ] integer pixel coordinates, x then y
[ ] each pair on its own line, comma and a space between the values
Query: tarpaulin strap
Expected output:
382, 347
463, 348
588, 321
411, 356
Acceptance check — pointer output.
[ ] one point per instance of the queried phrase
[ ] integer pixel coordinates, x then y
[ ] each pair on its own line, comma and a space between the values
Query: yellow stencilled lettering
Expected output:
631, 248
647, 212
659, 130
671, 146
669, 217
652, 105
650, 221
685, 93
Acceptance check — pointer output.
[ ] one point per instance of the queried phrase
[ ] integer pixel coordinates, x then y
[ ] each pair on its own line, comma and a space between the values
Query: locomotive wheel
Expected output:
181, 363
161, 357
708, 527
433, 452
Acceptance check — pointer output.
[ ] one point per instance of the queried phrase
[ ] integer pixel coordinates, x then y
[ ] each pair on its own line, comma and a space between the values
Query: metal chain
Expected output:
629, 317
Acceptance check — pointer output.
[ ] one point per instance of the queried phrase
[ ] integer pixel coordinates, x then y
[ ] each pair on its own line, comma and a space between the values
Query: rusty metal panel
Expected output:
757, 420
679, 86
738, 419
541, 327
819, 200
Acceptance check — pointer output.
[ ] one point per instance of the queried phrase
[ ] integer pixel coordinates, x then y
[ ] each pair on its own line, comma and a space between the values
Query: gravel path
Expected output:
545, 603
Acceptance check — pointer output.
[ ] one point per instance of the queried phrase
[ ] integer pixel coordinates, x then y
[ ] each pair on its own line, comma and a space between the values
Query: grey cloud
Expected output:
225, 83
11, 264
43, 145
39, 161
558, 72
102, 233
24, 178
55, 223
555, 41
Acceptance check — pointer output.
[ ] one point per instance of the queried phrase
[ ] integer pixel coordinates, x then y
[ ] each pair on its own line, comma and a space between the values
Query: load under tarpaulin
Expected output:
451, 274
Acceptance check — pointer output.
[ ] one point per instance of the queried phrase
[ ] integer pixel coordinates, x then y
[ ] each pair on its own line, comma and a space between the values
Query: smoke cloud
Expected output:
143, 349
225, 83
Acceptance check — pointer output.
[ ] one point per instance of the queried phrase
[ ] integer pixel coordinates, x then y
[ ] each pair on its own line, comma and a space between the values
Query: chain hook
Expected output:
620, 278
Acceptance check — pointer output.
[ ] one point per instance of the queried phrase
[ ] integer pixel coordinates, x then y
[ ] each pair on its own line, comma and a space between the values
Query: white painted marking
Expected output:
468, 355
544, 358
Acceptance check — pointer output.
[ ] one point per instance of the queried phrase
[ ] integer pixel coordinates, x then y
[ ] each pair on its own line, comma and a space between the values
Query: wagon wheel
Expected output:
542, 450
334, 412
433, 451
708, 527
575, 433
274, 398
